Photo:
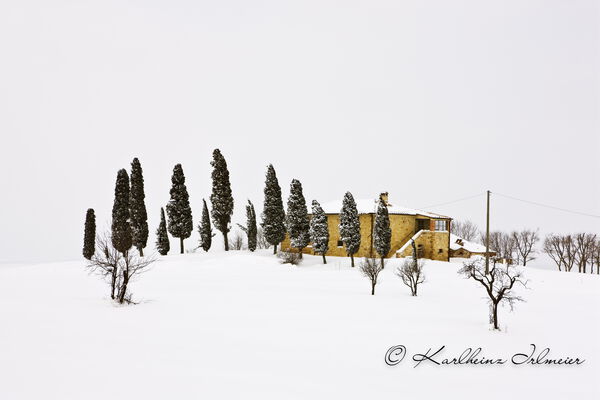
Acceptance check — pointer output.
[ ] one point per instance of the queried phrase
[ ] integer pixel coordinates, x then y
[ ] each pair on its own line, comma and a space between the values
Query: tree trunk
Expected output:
372, 289
352, 259
113, 283
414, 290
300, 252
141, 251
226, 241
181, 245
382, 266
495, 315
324, 260
274, 249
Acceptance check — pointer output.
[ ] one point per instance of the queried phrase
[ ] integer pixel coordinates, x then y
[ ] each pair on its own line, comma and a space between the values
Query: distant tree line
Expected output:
578, 252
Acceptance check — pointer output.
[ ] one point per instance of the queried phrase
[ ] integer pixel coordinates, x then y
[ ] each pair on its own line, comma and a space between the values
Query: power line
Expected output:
453, 201
547, 206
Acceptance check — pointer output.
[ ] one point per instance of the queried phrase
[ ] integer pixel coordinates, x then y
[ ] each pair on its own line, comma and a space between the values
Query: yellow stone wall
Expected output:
435, 246
403, 228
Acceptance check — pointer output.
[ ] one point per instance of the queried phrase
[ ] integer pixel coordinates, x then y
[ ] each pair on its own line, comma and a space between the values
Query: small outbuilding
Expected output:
460, 248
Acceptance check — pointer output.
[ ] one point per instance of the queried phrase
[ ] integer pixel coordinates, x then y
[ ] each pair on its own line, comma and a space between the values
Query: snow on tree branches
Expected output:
297, 217
350, 226
120, 227
221, 198
89, 235
139, 217
319, 230
205, 229
383, 233
273, 215
178, 208
162, 237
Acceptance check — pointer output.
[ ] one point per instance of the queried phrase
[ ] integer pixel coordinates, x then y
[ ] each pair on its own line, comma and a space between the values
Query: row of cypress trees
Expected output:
302, 230
130, 228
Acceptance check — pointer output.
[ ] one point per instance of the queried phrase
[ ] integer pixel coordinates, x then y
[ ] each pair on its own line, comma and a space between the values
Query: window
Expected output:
340, 243
440, 225
440, 251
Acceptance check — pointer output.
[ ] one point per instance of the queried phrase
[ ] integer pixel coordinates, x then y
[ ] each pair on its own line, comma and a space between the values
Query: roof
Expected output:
369, 206
469, 246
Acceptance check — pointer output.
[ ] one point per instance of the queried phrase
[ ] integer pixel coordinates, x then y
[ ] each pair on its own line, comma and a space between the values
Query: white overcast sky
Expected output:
429, 100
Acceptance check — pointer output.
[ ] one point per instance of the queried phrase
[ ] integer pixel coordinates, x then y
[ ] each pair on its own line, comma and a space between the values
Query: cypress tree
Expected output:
383, 234
298, 224
319, 230
273, 215
121, 228
251, 229
139, 217
350, 226
89, 235
204, 228
162, 237
221, 198
178, 208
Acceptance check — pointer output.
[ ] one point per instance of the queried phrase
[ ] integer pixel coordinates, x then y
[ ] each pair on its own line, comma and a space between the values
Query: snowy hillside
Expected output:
241, 325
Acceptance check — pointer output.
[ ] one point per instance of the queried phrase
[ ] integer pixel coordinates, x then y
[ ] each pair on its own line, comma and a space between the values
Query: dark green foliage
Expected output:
298, 224
350, 226
221, 198
121, 228
273, 215
178, 209
204, 228
137, 206
319, 230
251, 229
162, 237
89, 235
382, 234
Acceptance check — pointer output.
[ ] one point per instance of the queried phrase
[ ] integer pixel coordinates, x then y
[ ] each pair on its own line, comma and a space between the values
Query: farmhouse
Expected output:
460, 248
430, 231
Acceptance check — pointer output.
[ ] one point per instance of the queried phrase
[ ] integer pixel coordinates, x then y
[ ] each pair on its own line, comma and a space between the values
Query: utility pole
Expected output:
487, 235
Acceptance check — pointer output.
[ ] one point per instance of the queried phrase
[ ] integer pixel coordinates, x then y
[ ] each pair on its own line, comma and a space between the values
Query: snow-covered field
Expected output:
241, 325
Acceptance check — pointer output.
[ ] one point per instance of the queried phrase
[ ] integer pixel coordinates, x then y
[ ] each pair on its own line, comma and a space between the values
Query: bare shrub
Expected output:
411, 273
237, 242
371, 267
289, 257
117, 268
498, 283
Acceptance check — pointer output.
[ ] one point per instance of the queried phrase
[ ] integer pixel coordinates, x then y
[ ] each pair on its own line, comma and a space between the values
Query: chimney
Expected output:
384, 196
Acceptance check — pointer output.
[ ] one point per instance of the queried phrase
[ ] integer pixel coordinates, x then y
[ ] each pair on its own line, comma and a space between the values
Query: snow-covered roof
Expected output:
469, 246
369, 206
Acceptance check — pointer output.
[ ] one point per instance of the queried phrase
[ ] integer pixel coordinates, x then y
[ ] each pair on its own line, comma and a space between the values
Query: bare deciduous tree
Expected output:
370, 267
584, 245
117, 268
261, 242
237, 242
570, 252
499, 283
554, 248
105, 261
596, 256
466, 229
411, 271
524, 242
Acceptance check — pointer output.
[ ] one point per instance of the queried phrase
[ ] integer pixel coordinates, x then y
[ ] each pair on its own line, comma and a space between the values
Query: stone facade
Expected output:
433, 244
